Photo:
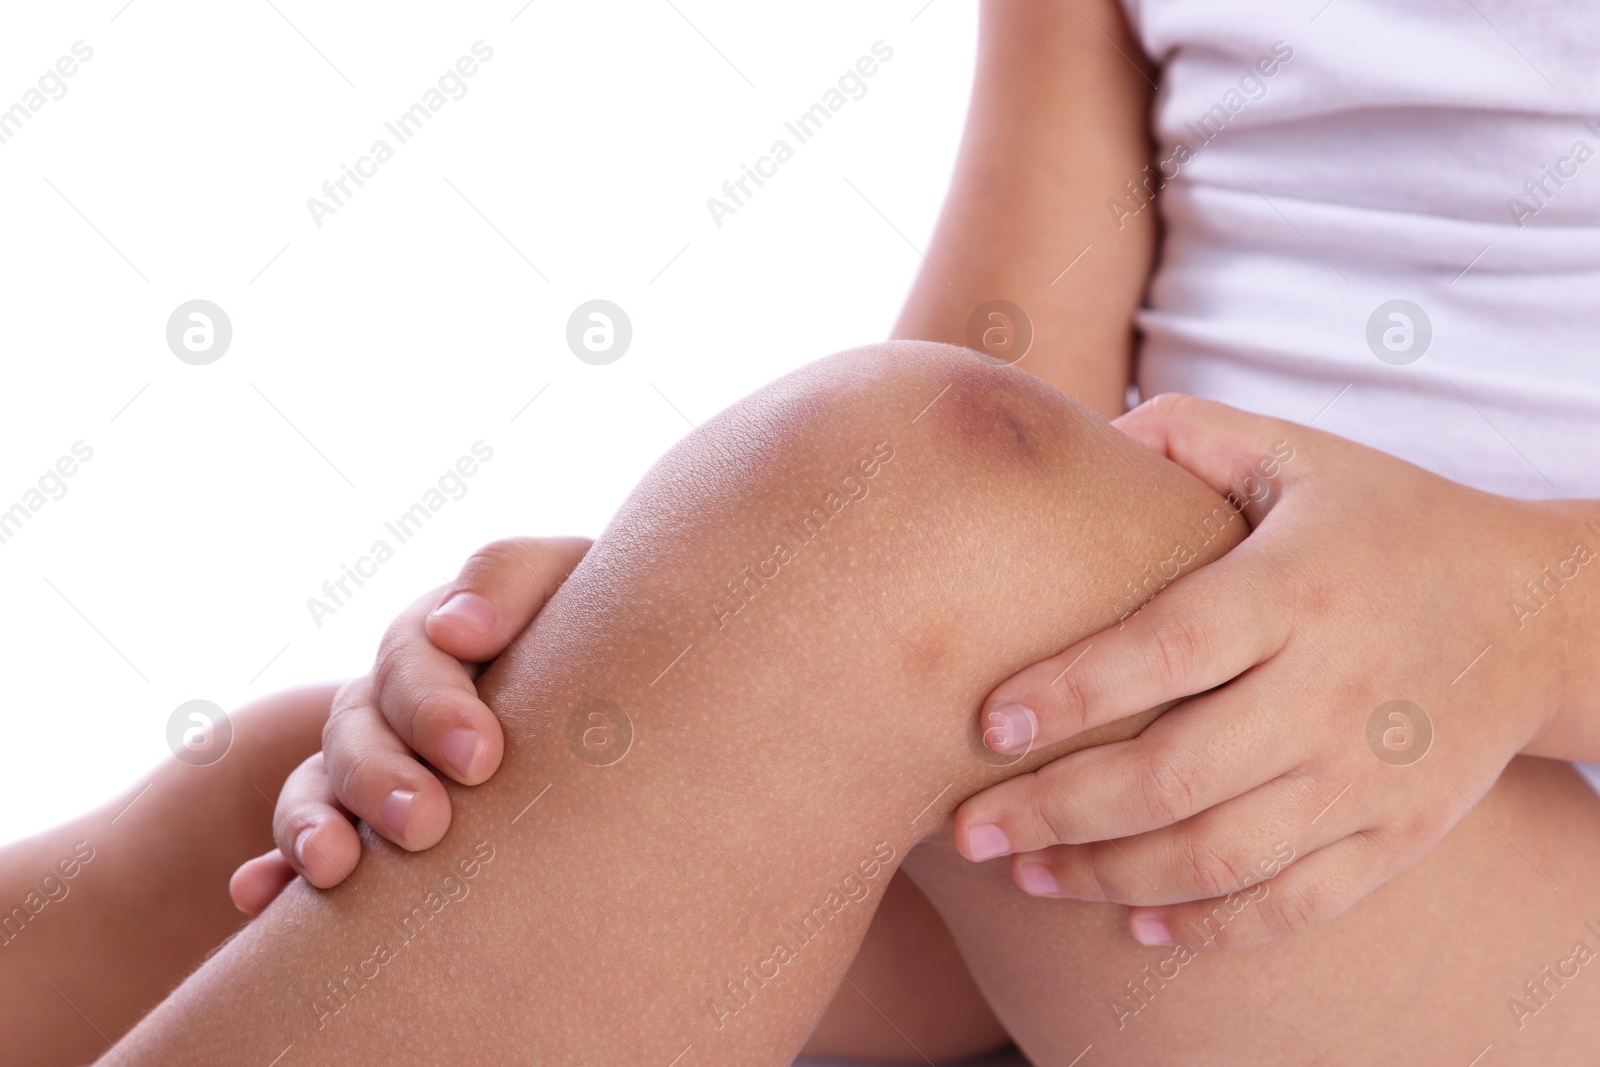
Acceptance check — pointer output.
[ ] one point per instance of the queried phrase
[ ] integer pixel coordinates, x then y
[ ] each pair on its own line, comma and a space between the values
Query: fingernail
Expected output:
300, 845
1012, 728
396, 809
986, 841
1150, 930
1037, 879
459, 748
468, 609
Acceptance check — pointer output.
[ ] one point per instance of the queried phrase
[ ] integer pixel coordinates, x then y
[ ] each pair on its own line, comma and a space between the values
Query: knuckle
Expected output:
433, 707
391, 672
284, 817
1177, 646
1072, 699
1053, 817
1082, 875
1163, 404
494, 560
1295, 906
1207, 869
358, 773
349, 695
343, 737
338, 722
1165, 787
1317, 596
1100, 884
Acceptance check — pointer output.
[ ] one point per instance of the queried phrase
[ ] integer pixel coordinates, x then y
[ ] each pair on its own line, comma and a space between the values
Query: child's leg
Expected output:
1489, 940
724, 733
908, 993
147, 893
147, 900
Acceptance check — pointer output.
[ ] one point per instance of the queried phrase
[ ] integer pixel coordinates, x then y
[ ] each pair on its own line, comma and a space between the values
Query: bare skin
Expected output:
1340, 992
147, 896
1061, 87
150, 904
146, 900
1058, 121
636, 891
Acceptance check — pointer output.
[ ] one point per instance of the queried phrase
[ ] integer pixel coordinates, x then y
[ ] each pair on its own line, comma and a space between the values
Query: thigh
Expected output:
1483, 944
907, 995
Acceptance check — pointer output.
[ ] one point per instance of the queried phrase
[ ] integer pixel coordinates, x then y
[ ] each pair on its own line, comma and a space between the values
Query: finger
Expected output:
1202, 630
374, 774
425, 692
1239, 454
1318, 888
1206, 751
430, 701
313, 833
258, 882
1224, 850
499, 591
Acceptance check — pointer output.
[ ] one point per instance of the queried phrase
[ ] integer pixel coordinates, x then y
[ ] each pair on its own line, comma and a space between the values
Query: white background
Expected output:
369, 354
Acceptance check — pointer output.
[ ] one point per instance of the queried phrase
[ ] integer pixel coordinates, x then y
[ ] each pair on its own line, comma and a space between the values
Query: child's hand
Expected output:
419, 700
1365, 580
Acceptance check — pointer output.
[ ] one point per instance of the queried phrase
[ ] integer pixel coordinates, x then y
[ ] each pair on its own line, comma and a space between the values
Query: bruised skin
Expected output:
613, 911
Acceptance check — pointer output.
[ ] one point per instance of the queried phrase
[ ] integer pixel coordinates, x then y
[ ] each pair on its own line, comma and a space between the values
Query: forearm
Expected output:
1057, 127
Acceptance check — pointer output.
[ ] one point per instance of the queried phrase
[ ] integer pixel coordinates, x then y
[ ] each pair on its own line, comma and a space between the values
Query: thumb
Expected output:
1239, 454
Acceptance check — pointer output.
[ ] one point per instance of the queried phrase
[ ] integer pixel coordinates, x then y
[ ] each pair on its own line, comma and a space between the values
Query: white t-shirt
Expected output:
1441, 152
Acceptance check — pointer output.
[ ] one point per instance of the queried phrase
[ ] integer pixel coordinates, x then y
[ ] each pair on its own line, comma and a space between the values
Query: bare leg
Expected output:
1422, 971
131, 898
908, 993
104, 915
800, 717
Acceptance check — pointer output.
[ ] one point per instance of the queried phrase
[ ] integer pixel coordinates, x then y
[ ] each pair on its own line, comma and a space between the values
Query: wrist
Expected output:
1554, 611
